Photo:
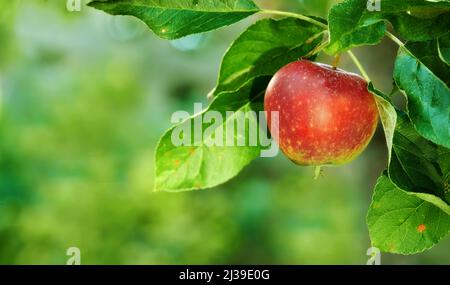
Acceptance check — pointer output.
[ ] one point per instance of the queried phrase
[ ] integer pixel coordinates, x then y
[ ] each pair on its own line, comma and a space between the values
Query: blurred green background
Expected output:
84, 98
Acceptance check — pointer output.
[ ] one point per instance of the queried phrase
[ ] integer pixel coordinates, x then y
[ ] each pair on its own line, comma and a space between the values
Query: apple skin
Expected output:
326, 116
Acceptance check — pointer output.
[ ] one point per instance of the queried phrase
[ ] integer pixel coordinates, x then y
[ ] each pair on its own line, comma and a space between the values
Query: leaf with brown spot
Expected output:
395, 224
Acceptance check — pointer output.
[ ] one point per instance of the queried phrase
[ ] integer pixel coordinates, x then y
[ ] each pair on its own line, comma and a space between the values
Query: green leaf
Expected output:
410, 211
416, 20
349, 26
388, 116
405, 223
204, 165
428, 96
444, 162
428, 54
414, 28
444, 48
352, 24
263, 49
418, 165
172, 19
432, 199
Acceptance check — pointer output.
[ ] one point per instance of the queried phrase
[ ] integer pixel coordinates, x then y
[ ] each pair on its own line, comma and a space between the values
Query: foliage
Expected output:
410, 209
172, 19
352, 24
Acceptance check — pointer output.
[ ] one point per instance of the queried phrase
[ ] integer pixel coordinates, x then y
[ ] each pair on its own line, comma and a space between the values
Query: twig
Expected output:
359, 66
295, 15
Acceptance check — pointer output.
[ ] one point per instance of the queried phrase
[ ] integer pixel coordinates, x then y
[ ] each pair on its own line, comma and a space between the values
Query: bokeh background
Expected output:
84, 97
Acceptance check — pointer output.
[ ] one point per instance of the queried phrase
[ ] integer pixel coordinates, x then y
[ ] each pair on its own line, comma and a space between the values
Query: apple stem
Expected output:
317, 172
336, 61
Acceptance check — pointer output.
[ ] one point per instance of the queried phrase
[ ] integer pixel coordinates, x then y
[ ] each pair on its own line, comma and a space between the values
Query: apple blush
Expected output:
326, 115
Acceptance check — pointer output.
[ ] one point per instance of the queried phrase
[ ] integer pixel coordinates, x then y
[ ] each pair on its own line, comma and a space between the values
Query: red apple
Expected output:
326, 115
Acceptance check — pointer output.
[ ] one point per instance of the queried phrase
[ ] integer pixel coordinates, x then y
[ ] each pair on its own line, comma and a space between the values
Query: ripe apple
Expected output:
326, 115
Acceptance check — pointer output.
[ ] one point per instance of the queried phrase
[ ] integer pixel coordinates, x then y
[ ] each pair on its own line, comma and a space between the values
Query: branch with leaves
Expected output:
410, 211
